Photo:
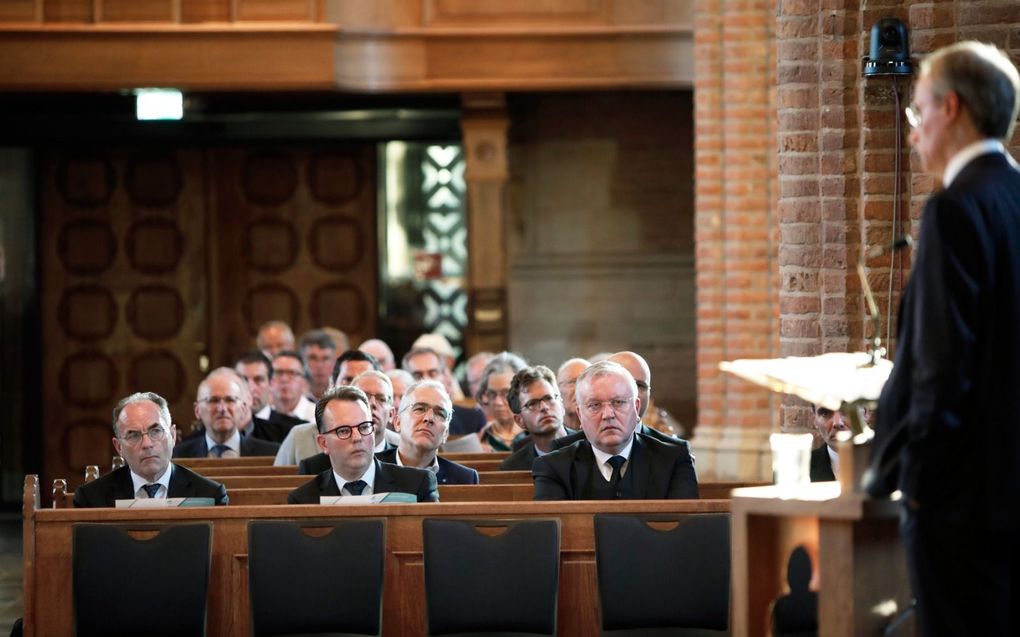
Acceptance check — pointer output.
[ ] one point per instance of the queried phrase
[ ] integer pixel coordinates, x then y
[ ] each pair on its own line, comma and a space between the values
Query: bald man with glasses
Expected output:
613, 462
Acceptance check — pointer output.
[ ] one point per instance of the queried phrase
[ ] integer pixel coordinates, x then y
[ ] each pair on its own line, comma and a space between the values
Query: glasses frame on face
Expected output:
381, 399
490, 396
618, 405
418, 410
535, 404
156, 433
344, 432
427, 374
288, 373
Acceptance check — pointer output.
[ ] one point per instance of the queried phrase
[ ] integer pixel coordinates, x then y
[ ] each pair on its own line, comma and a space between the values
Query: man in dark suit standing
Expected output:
344, 421
144, 436
538, 409
223, 405
946, 421
613, 462
423, 422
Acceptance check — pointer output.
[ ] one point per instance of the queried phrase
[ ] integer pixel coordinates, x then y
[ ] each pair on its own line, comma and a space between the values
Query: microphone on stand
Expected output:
876, 350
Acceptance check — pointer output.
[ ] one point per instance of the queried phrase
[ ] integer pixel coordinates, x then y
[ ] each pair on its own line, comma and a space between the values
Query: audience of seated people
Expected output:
289, 386
424, 363
266, 423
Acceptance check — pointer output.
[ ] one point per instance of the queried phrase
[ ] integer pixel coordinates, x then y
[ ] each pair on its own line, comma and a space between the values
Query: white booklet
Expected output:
387, 497
163, 503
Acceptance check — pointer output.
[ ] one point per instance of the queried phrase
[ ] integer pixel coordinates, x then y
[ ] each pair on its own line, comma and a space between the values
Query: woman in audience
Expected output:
499, 433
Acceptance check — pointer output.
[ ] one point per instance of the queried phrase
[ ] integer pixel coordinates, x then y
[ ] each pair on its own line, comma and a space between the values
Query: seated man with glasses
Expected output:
423, 421
613, 462
379, 389
223, 405
144, 436
344, 420
539, 409
424, 363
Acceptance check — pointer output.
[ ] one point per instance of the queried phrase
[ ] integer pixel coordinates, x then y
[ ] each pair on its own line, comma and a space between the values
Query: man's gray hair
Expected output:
347, 393
152, 397
604, 368
429, 383
985, 80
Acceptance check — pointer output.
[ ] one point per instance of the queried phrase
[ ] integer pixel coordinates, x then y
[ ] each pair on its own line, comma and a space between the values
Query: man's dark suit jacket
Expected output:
659, 471
275, 428
250, 446
821, 465
449, 472
946, 432
466, 420
388, 478
524, 454
117, 485
314, 465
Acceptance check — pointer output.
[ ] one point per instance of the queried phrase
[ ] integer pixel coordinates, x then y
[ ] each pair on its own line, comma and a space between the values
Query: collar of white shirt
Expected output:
434, 467
164, 481
264, 413
234, 442
602, 459
368, 477
967, 154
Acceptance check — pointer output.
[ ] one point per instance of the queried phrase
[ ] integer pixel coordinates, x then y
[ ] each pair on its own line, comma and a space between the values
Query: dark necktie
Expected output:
356, 487
617, 463
219, 450
151, 489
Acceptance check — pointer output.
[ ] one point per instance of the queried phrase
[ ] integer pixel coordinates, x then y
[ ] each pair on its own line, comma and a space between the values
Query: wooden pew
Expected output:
47, 555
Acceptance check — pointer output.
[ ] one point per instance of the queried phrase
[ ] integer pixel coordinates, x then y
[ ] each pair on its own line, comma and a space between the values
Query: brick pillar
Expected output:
737, 301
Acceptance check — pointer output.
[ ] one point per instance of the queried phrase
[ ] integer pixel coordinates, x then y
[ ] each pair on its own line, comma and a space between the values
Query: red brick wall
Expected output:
831, 139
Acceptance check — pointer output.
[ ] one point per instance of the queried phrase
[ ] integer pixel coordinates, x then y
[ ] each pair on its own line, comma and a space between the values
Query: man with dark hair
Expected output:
351, 363
538, 409
265, 423
289, 384
613, 462
945, 433
144, 436
223, 405
318, 351
423, 421
424, 363
379, 389
344, 421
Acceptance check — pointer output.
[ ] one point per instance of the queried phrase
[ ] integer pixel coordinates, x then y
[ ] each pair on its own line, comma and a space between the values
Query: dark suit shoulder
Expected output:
191, 448
314, 465
103, 491
185, 483
420, 482
311, 491
466, 420
519, 460
451, 472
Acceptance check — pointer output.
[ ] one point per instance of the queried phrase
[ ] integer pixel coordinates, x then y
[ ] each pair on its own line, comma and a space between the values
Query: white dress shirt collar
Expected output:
602, 459
138, 482
234, 442
368, 478
967, 154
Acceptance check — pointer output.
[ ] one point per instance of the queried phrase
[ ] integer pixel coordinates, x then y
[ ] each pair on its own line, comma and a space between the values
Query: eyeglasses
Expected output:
913, 116
534, 405
156, 433
418, 410
216, 401
491, 395
595, 407
287, 373
343, 432
379, 399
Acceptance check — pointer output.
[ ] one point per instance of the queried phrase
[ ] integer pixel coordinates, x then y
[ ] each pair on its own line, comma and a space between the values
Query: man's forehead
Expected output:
374, 385
143, 414
540, 386
430, 395
355, 410
252, 369
605, 381
425, 360
287, 362
353, 368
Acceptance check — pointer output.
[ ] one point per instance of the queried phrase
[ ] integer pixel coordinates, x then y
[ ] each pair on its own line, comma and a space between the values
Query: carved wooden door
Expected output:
158, 264
123, 293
